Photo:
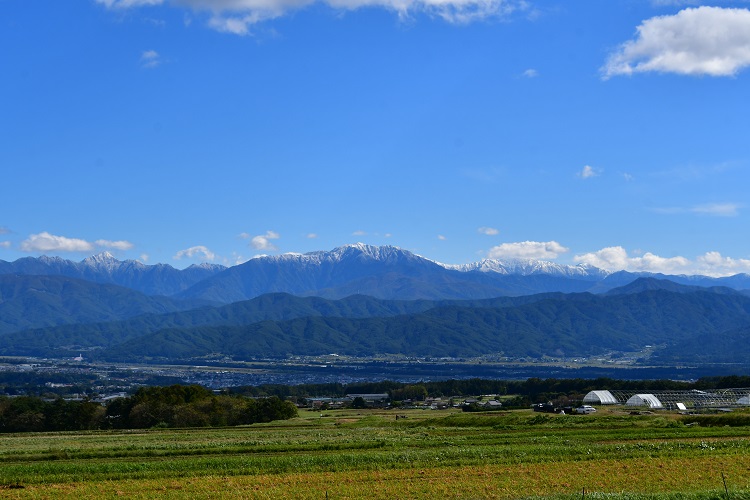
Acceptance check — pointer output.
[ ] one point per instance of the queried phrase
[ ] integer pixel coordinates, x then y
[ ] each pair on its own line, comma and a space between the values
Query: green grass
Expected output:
493, 455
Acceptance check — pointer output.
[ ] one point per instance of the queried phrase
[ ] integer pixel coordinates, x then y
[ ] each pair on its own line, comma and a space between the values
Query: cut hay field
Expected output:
371, 454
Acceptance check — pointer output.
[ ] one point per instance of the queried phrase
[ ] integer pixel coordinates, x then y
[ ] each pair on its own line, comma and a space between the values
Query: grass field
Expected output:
370, 454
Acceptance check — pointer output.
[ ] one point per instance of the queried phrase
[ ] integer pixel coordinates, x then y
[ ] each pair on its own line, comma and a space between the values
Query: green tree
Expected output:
359, 402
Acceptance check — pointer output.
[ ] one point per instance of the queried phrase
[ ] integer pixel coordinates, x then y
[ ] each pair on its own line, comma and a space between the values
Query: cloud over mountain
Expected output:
527, 250
46, 242
50, 243
196, 251
264, 241
709, 264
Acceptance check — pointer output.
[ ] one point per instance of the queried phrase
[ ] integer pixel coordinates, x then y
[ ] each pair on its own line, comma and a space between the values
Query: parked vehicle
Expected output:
544, 408
585, 410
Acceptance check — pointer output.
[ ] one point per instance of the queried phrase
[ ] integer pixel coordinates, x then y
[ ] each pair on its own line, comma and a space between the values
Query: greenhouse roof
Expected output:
600, 397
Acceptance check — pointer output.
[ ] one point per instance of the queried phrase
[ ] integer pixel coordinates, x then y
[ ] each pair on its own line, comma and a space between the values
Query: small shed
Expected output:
599, 398
645, 400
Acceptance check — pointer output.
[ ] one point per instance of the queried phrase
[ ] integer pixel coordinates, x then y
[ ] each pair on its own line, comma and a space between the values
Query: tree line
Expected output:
196, 406
532, 390
173, 406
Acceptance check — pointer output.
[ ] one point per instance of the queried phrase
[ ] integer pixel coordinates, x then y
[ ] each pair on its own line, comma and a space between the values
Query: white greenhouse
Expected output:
672, 399
645, 400
600, 398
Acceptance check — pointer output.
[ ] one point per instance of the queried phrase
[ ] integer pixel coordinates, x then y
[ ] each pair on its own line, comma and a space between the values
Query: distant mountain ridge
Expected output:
364, 300
158, 279
384, 272
388, 272
649, 283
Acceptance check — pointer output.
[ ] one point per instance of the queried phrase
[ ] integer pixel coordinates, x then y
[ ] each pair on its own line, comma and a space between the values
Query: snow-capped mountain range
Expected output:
527, 267
380, 271
158, 279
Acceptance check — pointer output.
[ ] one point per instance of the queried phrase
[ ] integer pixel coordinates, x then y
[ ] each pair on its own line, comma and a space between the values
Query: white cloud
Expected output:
311, 236
4, 244
628, 177
124, 4
441, 237
489, 231
718, 209
670, 3
713, 209
587, 172
359, 233
117, 245
527, 250
705, 40
530, 73
150, 59
610, 258
709, 264
617, 259
196, 251
238, 16
714, 264
240, 25
46, 242
144, 257
4, 230
263, 241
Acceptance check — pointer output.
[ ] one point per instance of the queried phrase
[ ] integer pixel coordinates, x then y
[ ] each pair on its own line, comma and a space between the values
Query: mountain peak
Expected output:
101, 257
207, 266
385, 253
49, 260
104, 260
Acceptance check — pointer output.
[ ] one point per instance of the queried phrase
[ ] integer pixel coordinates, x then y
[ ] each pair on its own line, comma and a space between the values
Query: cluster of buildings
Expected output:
383, 401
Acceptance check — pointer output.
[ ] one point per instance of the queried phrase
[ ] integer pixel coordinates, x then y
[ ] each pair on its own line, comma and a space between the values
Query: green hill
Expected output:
40, 301
576, 325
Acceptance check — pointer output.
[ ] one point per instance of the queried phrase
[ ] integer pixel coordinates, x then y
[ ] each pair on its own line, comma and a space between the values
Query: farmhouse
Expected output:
370, 398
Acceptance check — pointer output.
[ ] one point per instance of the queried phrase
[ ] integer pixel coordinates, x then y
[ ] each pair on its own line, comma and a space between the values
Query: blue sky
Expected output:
611, 133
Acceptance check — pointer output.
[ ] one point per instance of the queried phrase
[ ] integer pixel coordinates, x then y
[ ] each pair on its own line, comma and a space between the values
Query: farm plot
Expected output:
370, 454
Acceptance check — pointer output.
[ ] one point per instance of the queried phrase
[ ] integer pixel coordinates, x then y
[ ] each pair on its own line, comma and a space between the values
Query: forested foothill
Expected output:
680, 324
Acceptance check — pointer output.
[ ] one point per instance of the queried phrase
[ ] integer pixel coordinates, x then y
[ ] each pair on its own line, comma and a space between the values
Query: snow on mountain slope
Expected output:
158, 279
528, 267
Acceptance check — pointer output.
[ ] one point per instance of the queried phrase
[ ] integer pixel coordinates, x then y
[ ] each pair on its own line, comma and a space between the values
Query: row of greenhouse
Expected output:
672, 400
